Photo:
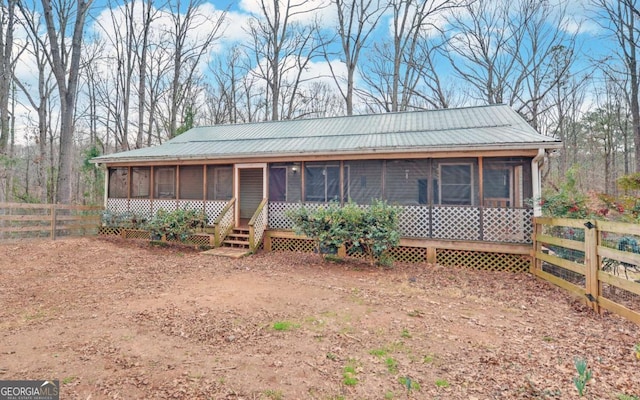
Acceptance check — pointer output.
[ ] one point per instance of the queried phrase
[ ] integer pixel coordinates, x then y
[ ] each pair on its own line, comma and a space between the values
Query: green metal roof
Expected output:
472, 128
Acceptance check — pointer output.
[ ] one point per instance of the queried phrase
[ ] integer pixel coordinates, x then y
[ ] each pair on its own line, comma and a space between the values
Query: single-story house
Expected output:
464, 177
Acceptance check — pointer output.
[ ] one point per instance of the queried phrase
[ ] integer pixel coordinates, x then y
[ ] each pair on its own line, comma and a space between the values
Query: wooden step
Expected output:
239, 235
235, 243
230, 252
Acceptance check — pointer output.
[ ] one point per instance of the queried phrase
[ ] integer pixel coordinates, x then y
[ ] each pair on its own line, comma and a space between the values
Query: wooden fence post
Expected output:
592, 285
53, 222
432, 255
536, 263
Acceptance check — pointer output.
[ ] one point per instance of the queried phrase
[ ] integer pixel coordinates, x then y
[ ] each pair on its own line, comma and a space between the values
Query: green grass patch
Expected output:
428, 359
68, 380
442, 383
350, 373
378, 352
392, 365
284, 326
409, 383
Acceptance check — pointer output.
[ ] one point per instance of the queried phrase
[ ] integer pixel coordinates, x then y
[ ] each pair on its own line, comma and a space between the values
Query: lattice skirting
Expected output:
409, 254
459, 258
200, 240
483, 260
109, 231
135, 234
404, 254
292, 244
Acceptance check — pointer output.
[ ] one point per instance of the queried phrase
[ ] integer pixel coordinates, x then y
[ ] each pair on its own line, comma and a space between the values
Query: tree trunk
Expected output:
67, 88
7, 65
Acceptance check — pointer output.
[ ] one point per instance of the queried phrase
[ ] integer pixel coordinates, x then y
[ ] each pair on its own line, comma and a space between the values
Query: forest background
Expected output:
80, 78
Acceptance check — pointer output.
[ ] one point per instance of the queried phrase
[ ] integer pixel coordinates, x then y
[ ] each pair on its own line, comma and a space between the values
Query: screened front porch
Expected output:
466, 199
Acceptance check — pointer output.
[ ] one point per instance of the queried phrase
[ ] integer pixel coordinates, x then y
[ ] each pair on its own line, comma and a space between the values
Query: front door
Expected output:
250, 191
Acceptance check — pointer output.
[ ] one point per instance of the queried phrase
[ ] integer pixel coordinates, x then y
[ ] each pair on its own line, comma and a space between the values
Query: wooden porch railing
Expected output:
21, 220
598, 261
224, 223
258, 225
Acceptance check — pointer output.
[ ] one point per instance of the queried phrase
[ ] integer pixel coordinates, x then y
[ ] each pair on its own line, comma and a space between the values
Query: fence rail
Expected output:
21, 221
599, 261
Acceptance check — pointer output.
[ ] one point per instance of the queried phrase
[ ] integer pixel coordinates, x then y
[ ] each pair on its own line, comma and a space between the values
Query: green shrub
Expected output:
176, 225
324, 226
565, 202
370, 231
122, 220
376, 231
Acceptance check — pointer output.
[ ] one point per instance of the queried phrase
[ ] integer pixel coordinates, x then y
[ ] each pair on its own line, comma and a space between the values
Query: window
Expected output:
140, 182
456, 184
165, 183
118, 181
322, 183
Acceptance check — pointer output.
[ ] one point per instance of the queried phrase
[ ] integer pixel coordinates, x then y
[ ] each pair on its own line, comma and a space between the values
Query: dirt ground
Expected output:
116, 319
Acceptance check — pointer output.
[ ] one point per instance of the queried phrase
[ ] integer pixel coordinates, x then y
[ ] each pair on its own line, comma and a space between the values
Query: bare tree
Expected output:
188, 51
278, 43
8, 62
621, 17
40, 100
149, 12
357, 20
545, 60
399, 65
65, 64
511, 52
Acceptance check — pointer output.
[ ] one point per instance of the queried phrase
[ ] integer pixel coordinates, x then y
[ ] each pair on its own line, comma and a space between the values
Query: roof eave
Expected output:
384, 150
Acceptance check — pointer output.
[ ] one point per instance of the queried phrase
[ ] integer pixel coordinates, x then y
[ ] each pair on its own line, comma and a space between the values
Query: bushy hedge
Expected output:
368, 230
176, 225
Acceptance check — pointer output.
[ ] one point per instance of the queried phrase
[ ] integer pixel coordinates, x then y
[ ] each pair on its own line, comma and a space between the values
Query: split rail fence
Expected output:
599, 261
24, 221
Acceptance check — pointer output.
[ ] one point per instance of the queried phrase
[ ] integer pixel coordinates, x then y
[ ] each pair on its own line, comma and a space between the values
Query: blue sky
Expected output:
592, 42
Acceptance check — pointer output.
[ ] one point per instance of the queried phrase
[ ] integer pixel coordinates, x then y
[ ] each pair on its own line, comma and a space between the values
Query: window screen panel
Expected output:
278, 183
191, 182
118, 183
506, 181
404, 180
333, 183
456, 185
363, 181
219, 182
497, 183
314, 188
140, 182
165, 183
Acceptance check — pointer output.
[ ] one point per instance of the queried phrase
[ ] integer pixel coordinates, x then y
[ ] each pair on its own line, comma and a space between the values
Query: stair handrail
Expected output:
224, 222
258, 225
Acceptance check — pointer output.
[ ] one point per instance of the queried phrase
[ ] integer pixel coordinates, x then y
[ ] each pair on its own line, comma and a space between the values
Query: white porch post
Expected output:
536, 178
